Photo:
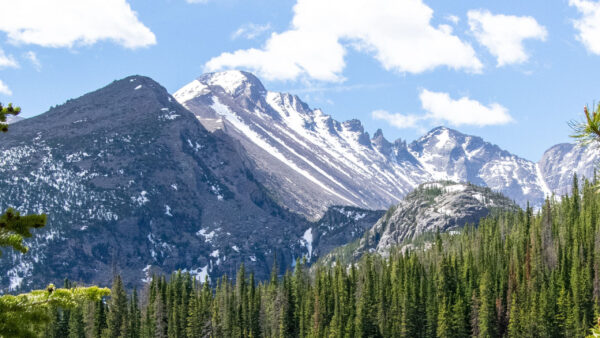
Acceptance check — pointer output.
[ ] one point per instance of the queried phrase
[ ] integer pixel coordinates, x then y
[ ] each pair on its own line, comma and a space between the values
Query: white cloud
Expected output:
250, 31
440, 107
397, 120
397, 33
4, 89
453, 18
588, 25
197, 1
7, 61
503, 35
464, 111
64, 23
32, 57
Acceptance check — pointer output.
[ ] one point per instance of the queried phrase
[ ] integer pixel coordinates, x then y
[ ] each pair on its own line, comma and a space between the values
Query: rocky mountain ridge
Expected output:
442, 206
310, 161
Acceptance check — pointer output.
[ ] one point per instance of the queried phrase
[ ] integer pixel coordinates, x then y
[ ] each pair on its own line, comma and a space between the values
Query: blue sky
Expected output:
513, 72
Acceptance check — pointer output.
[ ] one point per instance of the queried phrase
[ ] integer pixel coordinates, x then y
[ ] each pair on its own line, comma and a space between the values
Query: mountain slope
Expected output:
310, 161
560, 162
442, 206
134, 184
307, 159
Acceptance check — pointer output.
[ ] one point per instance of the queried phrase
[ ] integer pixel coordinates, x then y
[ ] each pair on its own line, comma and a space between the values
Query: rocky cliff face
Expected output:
442, 206
560, 162
339, 226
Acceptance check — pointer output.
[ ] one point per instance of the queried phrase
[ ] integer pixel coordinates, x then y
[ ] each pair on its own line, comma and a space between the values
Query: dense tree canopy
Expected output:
518, 274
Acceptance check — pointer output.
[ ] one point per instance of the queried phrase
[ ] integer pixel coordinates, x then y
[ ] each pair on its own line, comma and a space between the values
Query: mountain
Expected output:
562, 160
450, 155
307, 159
310, 161
443, 206
338, 226
134, 184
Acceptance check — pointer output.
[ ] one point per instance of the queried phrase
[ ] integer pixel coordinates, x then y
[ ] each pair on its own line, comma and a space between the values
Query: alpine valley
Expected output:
138, 182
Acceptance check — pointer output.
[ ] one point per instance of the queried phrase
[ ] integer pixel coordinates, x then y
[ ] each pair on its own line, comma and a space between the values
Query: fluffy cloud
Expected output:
589, 24
250, 31
397, 33
503, 35
4, 89
64, 23
440, 107
397, 120
464, 111
7, 61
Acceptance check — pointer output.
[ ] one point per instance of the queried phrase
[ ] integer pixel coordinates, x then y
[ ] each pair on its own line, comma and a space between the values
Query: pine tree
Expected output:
254, 309
487, 314
134, 316
76, 325
117, 306
160, 319
99, 318
444, 326
194, 327
366, 323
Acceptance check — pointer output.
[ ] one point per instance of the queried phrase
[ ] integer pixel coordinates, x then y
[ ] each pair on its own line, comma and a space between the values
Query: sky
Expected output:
512, 72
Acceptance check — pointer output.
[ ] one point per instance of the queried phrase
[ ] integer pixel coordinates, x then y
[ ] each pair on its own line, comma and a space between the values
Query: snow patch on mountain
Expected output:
255, 137
230, 81
307, 241
542, 182
191, 90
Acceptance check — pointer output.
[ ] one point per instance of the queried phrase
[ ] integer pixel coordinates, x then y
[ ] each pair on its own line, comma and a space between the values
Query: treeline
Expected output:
519, 274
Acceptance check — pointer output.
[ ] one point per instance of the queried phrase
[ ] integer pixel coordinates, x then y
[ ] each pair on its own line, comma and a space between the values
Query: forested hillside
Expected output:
518, 274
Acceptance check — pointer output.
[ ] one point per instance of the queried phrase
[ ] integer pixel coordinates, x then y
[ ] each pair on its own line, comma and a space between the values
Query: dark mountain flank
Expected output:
134, 184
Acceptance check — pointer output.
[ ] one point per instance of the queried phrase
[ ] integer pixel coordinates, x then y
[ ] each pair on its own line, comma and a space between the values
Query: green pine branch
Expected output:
4, 111
14, 228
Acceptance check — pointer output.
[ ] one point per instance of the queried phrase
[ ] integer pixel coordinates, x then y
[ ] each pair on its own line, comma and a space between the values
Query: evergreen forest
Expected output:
517, 274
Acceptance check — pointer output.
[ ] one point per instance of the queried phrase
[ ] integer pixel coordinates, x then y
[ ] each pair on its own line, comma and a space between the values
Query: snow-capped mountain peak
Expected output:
234, 83
309, 160
192, 90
